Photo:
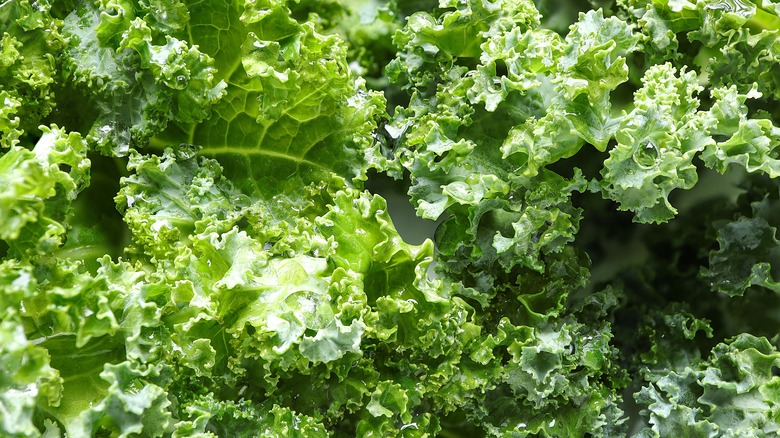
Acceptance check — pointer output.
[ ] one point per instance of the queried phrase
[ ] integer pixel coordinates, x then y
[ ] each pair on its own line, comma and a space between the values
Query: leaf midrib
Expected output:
232, 150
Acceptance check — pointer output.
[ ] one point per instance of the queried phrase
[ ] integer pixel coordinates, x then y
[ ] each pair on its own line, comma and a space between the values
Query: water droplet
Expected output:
647, 155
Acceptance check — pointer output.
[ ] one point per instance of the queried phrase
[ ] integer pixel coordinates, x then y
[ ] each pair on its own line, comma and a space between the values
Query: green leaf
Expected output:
116, 58
593, 62
752, 142
30, 45
293, 113
747, 253
38, 187
132, 406
657, 143
732, 392
27, 379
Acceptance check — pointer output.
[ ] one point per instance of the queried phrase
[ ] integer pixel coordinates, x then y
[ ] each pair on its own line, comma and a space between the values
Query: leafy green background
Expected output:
196, 239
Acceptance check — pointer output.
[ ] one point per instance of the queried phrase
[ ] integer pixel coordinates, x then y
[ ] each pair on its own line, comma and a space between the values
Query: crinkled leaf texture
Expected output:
38, 187
733, 393
748, 249
139, 75
293, 113
187, 248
